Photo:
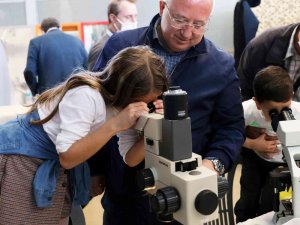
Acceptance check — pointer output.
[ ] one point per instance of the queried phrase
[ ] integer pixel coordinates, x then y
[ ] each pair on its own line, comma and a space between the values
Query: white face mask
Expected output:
127, 25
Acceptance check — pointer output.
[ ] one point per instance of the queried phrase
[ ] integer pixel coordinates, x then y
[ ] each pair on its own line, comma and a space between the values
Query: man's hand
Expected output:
208, 164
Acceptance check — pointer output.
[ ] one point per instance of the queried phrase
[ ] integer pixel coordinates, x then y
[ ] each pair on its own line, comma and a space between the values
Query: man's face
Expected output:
266, 106
175, 13
128, 12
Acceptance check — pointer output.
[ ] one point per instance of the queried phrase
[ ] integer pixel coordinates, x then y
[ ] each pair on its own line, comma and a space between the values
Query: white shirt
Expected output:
127, 139
81, 111
255, 118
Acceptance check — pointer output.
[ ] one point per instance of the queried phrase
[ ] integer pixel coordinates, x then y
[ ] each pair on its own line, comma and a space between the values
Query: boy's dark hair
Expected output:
273, 83
49, 23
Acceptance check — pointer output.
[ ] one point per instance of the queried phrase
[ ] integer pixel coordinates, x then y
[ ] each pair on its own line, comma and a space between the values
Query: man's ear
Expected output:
161, 6
258, 105
112, 17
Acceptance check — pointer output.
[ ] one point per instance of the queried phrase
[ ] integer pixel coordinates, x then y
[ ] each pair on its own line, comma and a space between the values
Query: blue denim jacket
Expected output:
19, 136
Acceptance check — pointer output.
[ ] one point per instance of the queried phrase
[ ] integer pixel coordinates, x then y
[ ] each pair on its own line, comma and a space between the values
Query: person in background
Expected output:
52, 57
122, 15
43, 153
245, 26
208, 76
273, 90
276, 46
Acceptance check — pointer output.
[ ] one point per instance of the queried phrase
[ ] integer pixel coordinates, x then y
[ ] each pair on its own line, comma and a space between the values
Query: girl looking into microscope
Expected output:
43, 153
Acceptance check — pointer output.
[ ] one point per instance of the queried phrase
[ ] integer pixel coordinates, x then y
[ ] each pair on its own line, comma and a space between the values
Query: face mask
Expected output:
127, 26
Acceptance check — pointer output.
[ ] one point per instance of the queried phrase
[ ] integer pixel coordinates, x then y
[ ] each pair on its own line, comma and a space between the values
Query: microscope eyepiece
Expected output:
275, 118
285, 114
273, 113
151, 107
175, 104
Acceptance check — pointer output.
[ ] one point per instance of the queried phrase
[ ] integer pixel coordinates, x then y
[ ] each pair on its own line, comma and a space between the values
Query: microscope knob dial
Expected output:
206, 202
166, 200
145, 179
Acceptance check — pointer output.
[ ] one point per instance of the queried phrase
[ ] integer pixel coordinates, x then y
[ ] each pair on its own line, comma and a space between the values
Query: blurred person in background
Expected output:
122, 15
52, 57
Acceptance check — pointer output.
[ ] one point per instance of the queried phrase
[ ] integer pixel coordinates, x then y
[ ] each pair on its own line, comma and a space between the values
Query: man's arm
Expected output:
31, 70
84, 57
228, 124
246, 73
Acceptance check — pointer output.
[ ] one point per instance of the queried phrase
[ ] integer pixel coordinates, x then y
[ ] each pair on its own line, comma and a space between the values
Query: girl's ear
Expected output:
258, 105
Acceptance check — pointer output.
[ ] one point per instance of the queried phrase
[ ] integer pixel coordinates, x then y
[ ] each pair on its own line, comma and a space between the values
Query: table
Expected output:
266, 219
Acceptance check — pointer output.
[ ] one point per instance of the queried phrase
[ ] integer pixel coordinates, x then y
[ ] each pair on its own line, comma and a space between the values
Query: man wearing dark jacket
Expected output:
277, 46
52, 57
206, 73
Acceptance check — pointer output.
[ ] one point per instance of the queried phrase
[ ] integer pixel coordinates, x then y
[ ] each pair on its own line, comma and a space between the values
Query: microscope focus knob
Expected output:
165, 201
206, 202
145, 179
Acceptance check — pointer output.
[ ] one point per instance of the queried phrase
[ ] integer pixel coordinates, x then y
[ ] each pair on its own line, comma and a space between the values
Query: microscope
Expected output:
288, 133
179, 186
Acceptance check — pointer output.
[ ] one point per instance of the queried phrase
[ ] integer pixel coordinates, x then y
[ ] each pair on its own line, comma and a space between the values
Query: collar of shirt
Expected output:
291, 49
109, 33
157, 36
162, 42
52, 28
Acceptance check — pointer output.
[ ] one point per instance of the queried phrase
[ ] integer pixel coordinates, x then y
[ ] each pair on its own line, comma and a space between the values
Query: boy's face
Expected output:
266, 106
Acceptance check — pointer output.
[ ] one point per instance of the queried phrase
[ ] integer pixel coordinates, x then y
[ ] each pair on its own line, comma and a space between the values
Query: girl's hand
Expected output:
159, 106
128, 116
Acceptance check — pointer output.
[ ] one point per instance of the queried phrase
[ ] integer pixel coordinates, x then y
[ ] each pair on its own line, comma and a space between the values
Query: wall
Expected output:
16, 40
221, 24
272, 13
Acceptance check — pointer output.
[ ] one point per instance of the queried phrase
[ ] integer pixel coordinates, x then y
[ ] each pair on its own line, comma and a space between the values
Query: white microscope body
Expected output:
288, 133
180, 187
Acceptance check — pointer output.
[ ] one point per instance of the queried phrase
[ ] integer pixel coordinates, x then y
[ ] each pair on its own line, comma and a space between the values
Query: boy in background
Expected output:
273, 90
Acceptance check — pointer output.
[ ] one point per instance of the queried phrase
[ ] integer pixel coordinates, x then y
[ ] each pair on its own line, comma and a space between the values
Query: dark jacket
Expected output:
51, 59
207, 74
269, 48
245, 26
